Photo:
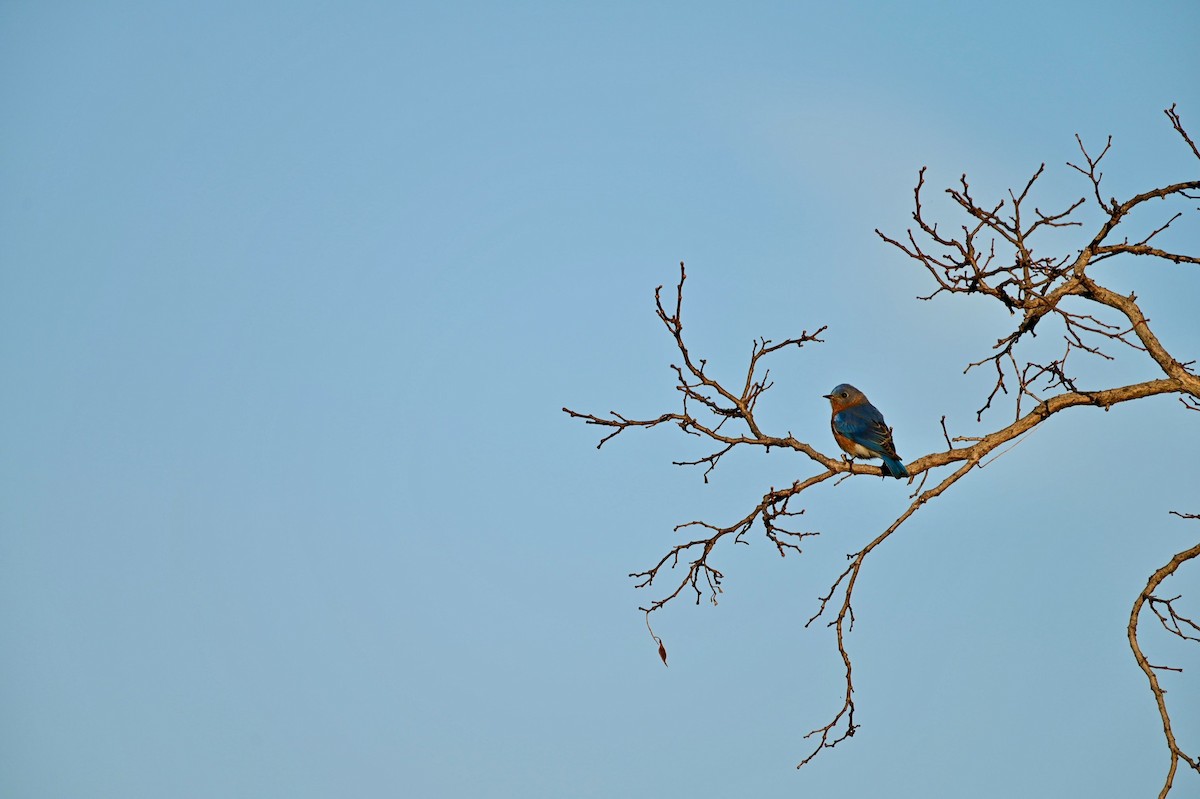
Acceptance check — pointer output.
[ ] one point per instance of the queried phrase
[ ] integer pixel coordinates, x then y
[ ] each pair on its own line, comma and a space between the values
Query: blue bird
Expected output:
859, 429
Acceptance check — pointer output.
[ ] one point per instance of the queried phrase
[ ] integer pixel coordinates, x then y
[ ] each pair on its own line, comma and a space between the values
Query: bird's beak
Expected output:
827, 396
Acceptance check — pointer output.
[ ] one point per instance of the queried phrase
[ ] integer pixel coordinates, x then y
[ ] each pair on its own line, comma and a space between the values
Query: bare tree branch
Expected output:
1177, 123
1177, 625
996, 252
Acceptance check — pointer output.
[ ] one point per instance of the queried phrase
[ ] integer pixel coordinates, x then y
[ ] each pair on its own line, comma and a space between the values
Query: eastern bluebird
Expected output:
859, 429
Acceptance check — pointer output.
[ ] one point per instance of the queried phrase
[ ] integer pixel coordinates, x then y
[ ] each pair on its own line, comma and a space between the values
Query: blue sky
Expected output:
292, 295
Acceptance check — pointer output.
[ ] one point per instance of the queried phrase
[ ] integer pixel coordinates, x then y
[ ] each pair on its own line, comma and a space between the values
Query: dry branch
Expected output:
994, 253
1177, 625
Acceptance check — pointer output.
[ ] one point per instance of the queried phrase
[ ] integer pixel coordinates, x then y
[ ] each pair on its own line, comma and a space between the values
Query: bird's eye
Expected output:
844, 395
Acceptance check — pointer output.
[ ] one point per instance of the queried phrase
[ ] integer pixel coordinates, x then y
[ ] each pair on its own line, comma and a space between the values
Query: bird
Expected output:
859, 429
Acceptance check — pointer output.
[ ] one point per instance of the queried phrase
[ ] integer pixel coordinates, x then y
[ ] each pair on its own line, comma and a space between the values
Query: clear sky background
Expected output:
292, 295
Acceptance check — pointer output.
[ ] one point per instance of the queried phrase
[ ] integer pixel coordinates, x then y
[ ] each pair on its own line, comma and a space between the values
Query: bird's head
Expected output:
845, 396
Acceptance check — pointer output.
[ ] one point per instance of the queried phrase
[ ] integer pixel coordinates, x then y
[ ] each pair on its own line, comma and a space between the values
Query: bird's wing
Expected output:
864, 424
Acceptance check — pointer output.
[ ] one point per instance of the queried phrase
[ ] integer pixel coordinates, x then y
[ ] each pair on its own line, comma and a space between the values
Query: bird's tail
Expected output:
894, 467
